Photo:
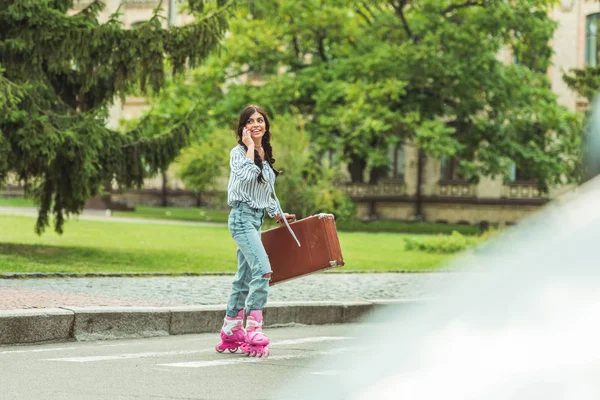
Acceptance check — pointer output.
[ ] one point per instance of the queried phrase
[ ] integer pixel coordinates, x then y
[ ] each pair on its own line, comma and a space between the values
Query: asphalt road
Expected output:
174, 367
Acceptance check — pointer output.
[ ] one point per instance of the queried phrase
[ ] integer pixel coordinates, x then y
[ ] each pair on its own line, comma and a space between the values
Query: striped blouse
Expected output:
243, 184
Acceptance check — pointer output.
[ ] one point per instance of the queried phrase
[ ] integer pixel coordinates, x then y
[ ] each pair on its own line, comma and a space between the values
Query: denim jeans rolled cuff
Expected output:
249, 289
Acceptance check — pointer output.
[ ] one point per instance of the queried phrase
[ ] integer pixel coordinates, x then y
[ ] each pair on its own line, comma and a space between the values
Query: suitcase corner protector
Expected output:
325, 215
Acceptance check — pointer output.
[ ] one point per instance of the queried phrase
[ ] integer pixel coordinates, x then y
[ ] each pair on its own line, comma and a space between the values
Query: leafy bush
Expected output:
307, 185
445, 244
200, 164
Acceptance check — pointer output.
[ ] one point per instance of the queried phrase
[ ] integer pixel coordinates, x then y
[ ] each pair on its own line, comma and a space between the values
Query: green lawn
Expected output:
211, 215
204, 214
109, 247
15, 202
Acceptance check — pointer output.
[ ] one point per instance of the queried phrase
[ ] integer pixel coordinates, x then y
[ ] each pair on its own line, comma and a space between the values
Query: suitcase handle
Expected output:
282, 214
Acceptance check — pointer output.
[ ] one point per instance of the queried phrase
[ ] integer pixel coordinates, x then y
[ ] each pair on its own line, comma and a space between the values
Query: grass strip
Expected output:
118, 247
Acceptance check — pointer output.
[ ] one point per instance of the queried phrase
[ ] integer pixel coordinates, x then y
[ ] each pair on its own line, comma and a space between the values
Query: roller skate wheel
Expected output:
266, 352
253, 353
219, 349
233, 350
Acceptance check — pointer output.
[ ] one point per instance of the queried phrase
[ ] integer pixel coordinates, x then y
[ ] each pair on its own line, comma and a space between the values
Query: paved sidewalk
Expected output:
35, 310
203, 290
210, 290
65, 309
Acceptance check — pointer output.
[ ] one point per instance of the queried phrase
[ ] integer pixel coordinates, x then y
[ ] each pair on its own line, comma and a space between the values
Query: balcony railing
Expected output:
384, 189
84, 3
522, 192
456, 189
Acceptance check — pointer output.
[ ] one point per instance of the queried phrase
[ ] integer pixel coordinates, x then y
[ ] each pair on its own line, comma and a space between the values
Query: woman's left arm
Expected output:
273, 212
289, 217
272, 208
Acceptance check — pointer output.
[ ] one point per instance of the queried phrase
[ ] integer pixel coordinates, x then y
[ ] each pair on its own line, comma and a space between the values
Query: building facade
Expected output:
444, 196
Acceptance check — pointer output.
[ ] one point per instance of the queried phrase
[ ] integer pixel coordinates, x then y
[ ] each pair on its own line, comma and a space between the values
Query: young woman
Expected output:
251, 180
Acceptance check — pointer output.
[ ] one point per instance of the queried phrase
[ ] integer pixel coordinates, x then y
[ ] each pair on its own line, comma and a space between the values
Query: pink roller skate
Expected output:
257, 343
232, 334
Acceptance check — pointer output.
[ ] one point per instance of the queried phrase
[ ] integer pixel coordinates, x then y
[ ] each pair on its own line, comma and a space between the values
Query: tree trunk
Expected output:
107, 195
356, 168
164, 201
419, 196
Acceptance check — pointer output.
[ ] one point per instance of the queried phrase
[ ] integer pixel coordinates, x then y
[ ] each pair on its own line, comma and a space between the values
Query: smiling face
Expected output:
257, 125
254, 119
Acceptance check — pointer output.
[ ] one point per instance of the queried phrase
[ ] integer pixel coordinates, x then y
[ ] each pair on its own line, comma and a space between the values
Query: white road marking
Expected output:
33, 350
218, 363
183, 352
128, 356
308, 340
327, 373
42, 350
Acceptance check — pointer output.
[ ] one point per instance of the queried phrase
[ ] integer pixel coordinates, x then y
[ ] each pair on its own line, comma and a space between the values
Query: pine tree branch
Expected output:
59, 74
93, 8
218, 12
146, 119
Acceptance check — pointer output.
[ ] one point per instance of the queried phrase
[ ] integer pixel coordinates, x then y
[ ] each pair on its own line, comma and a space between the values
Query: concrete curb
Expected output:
32, 326
54, 275
103, 323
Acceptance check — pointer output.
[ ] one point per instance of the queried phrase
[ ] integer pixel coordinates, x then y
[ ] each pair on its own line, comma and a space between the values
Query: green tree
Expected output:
371, 74
200, 164
584, 81
61, 72
306, 186
430, 71
367, 75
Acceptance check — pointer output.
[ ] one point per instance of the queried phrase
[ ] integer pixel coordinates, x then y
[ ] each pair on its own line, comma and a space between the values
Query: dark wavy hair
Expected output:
266, 139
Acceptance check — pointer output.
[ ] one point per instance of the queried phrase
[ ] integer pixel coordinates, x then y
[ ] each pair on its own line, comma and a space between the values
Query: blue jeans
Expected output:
249, 289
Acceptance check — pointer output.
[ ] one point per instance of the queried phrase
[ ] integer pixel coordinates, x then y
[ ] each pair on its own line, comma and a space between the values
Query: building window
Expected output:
449, 171
591, 40
328, 158
396, 156
518, 175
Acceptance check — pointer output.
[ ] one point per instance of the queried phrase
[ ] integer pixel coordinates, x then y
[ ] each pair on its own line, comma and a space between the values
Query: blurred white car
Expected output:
523, 321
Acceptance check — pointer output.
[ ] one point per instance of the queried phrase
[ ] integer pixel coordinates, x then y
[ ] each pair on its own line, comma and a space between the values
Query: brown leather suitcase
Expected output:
320, 248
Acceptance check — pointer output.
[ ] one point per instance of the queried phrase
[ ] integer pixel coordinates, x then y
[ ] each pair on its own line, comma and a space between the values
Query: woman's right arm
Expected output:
250, 152
242, 166
247, 140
